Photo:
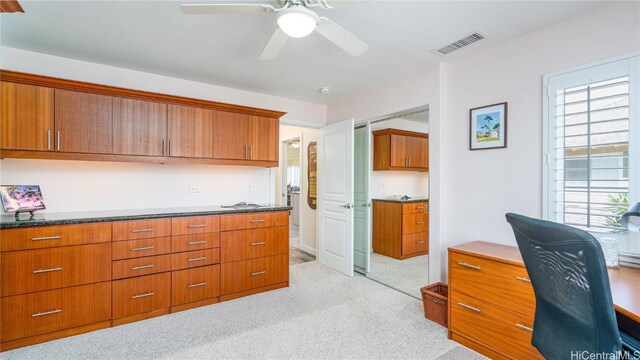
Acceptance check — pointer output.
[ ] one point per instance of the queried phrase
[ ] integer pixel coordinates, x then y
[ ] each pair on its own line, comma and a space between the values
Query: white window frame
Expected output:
627, 65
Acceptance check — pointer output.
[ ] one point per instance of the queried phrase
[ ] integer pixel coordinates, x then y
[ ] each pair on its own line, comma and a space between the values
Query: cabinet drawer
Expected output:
141, 294
497, 283
45, 269
253, 220
195, 225
141, 266
254, 243
143, 247
250, 274
415, 243
39, 237
191, 259
411, 208
414, 223
182, 243
47, 311
141, 229
498, 328
195, 284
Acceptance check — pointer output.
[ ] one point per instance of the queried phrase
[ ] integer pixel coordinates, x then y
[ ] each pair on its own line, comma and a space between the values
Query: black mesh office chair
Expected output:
574, 308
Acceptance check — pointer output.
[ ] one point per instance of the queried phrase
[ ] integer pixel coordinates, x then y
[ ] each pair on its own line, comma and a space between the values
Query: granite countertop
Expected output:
42, 219
398, 200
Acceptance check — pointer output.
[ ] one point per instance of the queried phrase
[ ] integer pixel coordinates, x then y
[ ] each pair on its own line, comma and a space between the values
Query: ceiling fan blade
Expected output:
197, 9
341, 37
275, 44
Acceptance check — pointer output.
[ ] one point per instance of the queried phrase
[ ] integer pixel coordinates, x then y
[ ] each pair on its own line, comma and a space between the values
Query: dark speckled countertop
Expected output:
397, 200
42, 219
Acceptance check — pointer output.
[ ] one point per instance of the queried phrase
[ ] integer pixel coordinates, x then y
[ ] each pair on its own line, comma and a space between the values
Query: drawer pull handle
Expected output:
197, 242
420, 207
257, 221
142, 295
47, 313
46, 270
420, 242
474, 267
419, 222
197, 259
258, 243
197, 285
469, 307
523, 327
143, 248
523, 279
196, 226
142, 230
258, 273
54, 237
142, 267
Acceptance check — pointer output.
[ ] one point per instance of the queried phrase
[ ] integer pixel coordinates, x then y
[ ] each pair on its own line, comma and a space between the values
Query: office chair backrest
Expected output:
574, 308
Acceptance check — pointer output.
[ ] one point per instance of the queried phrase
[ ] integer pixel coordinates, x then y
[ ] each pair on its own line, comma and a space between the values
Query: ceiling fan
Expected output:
295, 19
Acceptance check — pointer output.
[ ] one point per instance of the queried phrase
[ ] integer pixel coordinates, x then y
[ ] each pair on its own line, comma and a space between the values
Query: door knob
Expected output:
346, 206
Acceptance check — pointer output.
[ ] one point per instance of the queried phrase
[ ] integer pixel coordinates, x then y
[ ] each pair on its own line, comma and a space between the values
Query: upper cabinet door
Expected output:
26, 117
399, 154
230, 136
190, 132
83, 122
139, 127
263, 138
418, 152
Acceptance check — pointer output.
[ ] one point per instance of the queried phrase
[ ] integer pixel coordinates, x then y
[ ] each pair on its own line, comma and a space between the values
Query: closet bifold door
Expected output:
139, 127
190, 132
230, 136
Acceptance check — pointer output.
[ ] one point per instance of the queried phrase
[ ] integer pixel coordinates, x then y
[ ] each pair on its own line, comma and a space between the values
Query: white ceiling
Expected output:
156, 37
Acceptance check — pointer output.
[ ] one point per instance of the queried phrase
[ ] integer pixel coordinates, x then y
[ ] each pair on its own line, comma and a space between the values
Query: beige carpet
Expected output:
407, 275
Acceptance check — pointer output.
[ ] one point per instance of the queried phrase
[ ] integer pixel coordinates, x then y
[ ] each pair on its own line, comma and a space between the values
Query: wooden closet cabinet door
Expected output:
190, 132
26, 117
83, 122
263, 138
418, 152
230, 136
139, 127
399, 155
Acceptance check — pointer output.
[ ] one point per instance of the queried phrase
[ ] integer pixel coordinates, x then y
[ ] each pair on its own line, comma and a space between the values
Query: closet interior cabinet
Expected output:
139, 127
400, 150
191, 132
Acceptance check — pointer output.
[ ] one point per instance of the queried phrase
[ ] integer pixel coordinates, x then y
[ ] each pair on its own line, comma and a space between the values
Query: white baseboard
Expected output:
308, 249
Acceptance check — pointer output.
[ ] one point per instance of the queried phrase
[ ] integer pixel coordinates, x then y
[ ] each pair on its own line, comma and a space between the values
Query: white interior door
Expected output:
335, 196
361, 213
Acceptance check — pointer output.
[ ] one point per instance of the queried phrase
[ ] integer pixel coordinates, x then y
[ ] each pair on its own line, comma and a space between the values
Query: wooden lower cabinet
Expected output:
254, 243
400, 230
141, 266
193, 259
141, 295
195, 284
249, 274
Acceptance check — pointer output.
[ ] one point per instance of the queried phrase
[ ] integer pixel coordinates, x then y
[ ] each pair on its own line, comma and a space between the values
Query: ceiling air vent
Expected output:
467, 40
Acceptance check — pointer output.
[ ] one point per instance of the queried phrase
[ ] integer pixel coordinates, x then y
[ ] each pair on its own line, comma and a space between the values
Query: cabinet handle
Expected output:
40, 271
142, 295
251, 152
474, 267
420, 242
48, 139
196, 226
469, 307
419, 222
523, 279
197, 285
197, 259
58, 140
54, 237
162, 147
246, 152
142, 230
142, 267
143, 248
406, 162
258, 243
258, 273
257, 221
197, 242
523, 327
409, 161
169, 150
419, 207
47, 313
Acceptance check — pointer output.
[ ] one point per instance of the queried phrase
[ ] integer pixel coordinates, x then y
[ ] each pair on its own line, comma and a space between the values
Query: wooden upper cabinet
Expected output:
418, 152
139, 127
83, 122
190, 132
263, 138
400, 150
230, 136
26, 117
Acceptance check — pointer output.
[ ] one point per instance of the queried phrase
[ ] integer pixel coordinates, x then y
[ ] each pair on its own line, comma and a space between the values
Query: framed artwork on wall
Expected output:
488, 127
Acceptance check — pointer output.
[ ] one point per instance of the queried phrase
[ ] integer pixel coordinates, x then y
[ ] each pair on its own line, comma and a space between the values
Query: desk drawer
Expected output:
46, 269
141, 266
250, 274
498, 328
421, 207
141, 229
254, 243
253, 220
497, 283
39, 237
139, 248
195, 284
195, 225
191, 259
415, 223
191, 242
141, 295
47, 311
415, 243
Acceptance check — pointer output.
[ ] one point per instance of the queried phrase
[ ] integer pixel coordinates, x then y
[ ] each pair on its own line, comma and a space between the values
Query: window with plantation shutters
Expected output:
592, 154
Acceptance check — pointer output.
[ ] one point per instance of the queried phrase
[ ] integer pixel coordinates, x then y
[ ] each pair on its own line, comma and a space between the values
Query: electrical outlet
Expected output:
252, 188
194, 188
382, 186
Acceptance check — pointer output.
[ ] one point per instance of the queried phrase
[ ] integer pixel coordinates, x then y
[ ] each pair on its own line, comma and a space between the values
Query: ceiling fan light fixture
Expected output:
297, 21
